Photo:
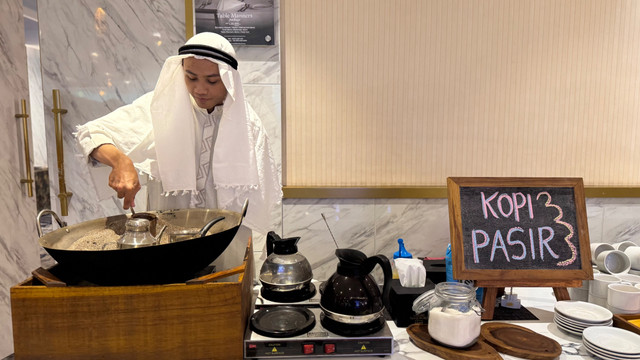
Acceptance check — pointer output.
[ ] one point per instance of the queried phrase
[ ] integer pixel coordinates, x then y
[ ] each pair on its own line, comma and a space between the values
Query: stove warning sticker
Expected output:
364, 349
317, 334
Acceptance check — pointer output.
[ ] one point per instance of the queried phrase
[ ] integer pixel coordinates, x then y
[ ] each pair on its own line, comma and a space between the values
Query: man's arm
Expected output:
123, 177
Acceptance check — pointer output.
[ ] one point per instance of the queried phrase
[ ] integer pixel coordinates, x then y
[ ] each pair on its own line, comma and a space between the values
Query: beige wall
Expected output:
408, 92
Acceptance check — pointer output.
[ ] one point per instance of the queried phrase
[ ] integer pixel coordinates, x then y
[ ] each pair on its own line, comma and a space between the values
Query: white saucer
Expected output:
568, 330
562, 324
583, 311
582, 324
605, 354
615, 340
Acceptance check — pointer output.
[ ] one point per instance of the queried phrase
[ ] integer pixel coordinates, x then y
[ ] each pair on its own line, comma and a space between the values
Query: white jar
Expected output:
454, 315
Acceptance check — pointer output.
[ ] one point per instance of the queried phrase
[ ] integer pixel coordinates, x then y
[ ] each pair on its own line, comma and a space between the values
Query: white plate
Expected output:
565, 329
583, 311
612, 339
606, 354
582, 324
568, 326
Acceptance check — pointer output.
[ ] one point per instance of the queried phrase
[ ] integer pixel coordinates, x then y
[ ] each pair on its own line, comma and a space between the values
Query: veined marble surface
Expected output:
18, 240
373, 226
100, 55
36, 107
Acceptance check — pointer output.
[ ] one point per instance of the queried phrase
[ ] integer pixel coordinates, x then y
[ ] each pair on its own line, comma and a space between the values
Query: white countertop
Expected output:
539, 301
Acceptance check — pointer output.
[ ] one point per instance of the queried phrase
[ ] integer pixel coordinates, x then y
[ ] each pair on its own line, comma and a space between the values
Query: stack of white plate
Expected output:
575, 316
611, 343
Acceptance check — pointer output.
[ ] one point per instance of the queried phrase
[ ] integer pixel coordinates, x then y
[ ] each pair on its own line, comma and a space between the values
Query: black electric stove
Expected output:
317, 342
303, 319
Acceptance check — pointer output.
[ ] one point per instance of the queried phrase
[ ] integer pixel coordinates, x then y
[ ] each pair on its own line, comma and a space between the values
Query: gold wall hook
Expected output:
27, 158
64, 195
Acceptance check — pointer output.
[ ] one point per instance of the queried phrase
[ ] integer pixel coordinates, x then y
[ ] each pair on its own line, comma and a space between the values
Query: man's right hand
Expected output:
123, 177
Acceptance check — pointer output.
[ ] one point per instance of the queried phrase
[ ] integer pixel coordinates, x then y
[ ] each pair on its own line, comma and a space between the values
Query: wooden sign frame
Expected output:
492, 279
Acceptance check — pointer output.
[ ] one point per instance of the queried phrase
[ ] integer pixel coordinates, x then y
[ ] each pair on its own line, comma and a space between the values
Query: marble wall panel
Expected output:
18, 240
100, 54
621, 222
595, 219
350, 221
423, 224
36, 107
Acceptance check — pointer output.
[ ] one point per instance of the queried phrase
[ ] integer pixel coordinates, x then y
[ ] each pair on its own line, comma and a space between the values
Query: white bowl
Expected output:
623, 245
633, 252
597, 248
624, 296
598, 286
614, 262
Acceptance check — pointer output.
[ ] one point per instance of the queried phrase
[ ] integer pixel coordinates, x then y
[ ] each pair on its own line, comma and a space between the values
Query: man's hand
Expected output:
123, 177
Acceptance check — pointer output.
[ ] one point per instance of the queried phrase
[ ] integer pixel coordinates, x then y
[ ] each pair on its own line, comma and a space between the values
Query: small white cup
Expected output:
615, 310
613, 262
623, 245
633, 252
629, 278
578, 294
597, 248
624, 297
598, 286
602, 301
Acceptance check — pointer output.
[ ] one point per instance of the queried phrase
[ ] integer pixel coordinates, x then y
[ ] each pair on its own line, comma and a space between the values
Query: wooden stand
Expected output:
545, 215
198, 320
491, 293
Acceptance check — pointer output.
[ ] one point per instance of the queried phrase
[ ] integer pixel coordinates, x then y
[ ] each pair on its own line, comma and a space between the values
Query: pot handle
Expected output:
384, 263
48, 212
208, 226
243, 212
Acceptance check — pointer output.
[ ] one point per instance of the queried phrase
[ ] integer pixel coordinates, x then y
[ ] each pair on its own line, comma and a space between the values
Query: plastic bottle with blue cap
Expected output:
402, 253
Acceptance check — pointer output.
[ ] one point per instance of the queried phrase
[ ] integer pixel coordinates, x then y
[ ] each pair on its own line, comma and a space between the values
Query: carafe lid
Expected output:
137, 225
280, 246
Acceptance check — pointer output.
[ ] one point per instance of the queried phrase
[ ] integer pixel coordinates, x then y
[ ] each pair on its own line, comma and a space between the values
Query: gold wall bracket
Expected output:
27, 157
64, 195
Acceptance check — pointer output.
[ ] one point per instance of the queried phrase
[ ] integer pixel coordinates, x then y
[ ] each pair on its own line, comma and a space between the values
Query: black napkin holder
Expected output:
401, 299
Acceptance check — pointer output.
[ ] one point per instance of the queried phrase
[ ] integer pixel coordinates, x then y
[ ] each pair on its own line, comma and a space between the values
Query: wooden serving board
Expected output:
519, 341
419, 334
624, 321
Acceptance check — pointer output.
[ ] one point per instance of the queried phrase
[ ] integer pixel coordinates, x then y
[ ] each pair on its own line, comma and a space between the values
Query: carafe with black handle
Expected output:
351, 300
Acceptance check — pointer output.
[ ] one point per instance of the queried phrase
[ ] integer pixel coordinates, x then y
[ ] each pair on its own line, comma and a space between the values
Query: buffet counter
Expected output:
540, 301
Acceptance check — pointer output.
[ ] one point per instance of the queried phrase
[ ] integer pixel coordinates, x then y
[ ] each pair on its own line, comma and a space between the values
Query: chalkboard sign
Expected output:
515, 231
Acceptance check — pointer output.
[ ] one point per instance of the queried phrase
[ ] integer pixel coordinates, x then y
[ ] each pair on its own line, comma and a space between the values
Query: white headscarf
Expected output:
158, 132
174, 122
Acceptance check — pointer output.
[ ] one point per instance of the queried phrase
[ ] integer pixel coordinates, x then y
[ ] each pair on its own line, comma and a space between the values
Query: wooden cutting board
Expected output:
419, 334
519, 341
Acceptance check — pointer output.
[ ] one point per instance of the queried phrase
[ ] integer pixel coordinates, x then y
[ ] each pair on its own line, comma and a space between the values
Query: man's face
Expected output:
203, 82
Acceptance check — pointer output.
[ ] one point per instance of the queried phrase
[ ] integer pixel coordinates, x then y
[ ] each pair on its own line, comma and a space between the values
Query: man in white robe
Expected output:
194, 141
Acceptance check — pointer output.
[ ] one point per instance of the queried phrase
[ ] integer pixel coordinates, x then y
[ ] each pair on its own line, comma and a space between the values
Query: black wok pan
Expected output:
157, 264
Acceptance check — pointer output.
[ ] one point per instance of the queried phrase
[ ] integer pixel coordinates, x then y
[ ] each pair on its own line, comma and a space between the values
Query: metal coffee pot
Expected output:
350, 299
137, 234
285, 269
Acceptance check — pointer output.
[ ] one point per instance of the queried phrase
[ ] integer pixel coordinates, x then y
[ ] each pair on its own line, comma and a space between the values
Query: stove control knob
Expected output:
329, 348
308, 349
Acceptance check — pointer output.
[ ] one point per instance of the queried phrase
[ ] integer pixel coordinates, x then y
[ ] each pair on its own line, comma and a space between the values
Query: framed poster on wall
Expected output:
242, 22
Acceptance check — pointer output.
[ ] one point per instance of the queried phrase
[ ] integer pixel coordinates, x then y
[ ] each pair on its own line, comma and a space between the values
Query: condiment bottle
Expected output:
136, 234
454, 315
